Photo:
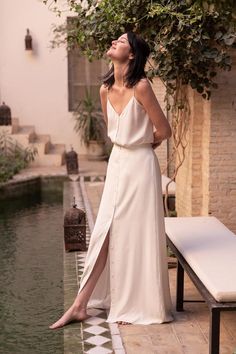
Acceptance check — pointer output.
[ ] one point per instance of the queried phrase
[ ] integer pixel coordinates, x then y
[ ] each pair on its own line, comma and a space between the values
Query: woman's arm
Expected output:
145, 95
103, 99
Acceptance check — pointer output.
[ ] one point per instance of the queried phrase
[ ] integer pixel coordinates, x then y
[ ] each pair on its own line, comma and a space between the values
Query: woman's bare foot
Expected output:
123, 322
74, 313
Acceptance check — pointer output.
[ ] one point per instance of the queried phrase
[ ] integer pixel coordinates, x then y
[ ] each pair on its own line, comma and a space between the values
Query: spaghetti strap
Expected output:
107, 93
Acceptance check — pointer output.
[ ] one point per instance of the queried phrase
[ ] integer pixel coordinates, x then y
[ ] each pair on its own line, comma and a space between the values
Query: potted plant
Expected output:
91, 126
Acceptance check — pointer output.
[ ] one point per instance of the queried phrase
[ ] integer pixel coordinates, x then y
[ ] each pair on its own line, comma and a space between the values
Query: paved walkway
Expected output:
86, 168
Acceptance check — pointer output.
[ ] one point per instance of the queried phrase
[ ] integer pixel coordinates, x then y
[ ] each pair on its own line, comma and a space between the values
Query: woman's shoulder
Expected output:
143, 89
142, 86
103, 90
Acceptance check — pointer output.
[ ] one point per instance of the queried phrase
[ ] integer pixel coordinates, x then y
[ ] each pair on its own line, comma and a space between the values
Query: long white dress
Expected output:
134, 284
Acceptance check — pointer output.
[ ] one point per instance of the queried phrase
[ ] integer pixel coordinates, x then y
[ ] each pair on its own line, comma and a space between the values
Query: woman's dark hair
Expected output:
135, 72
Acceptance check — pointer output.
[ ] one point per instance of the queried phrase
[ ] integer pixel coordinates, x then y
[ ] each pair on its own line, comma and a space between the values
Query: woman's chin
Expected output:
109, 54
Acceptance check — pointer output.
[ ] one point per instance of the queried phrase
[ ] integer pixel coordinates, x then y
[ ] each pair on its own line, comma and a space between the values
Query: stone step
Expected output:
25, 135
57, 149
25, 129
43, 143
5, 129
47, 160
48, 154
54, 157
11, 129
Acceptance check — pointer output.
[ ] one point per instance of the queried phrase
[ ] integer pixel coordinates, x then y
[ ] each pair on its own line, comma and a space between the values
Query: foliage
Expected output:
190, 39
88, 120
13, 157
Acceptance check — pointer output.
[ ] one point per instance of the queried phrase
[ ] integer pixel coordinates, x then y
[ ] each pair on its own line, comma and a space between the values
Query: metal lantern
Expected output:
5, 114
75, 229
72, 164
28, 40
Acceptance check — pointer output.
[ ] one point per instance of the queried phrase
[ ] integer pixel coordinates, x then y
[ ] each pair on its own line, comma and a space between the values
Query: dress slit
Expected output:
85, 280
100, 297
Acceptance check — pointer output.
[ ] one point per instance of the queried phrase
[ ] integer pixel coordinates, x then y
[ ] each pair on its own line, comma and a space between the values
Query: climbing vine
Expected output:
190, 41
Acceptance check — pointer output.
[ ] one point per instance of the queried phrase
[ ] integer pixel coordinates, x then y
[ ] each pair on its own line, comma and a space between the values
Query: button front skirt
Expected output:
134, 284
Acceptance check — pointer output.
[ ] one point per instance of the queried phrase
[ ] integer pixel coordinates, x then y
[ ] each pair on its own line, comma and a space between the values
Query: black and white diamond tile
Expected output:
96, 332
100, 178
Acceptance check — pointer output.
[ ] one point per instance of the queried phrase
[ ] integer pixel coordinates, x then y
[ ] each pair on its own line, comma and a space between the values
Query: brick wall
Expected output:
184, 177
161, 151
206, 183
205, 155
222, 167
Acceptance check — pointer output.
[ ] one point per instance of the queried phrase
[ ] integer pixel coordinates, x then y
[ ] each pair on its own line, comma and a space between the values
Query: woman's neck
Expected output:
120, 71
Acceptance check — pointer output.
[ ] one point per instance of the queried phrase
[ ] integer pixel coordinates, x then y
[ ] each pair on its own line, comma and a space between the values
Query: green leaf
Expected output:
218, 35
229, 40
211, 53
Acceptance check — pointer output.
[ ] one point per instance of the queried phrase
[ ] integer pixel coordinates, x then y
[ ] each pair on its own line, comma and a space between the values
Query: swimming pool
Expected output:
31, 274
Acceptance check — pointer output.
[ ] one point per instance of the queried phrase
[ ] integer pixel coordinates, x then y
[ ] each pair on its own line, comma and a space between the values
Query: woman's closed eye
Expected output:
118, 41
122, 40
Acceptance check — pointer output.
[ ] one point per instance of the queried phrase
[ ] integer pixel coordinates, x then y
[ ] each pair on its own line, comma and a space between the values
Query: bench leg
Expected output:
214, 335
180, 288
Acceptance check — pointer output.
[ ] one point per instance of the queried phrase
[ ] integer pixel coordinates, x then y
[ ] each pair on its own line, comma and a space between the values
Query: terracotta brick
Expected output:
206, 181
161, 151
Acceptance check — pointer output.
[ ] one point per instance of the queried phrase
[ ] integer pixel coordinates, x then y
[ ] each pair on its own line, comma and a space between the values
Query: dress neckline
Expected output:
119, 114
125, 107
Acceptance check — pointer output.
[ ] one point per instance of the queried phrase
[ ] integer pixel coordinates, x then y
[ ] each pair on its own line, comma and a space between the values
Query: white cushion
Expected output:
210, 249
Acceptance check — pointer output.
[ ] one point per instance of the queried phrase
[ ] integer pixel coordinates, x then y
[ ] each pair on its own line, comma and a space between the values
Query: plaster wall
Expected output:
34, 84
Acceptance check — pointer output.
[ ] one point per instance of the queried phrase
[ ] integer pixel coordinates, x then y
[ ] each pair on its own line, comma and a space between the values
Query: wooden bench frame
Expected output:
214, 306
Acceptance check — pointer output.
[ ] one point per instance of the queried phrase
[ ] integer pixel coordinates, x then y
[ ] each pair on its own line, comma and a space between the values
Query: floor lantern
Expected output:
75, 229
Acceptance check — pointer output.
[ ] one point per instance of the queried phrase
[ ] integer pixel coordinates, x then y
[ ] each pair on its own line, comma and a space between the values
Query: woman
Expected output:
126, 265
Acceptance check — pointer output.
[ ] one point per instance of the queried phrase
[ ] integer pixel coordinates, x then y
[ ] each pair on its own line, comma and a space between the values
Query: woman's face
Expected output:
120, 49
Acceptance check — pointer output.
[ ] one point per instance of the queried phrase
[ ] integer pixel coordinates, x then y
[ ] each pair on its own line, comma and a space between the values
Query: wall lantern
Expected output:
28, 41
75, 229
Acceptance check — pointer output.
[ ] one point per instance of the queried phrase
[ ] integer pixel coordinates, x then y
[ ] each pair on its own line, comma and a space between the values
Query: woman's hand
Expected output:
157, 142
155, 145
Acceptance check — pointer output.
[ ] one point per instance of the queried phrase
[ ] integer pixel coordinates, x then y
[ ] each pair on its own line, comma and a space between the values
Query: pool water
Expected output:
31, 274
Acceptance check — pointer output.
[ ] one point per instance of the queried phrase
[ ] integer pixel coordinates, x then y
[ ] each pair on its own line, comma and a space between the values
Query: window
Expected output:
83, 75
